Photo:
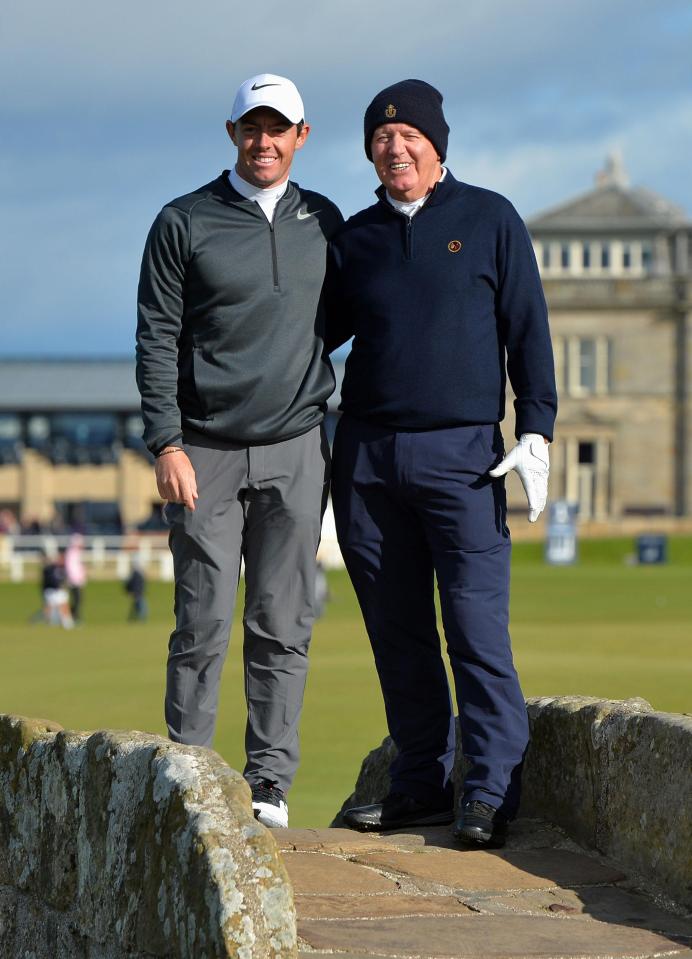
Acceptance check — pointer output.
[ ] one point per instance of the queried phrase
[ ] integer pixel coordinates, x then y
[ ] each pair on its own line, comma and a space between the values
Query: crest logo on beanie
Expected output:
390, 112
454, 246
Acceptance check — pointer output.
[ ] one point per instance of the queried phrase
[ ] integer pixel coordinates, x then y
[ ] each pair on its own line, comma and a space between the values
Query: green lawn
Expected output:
601, 628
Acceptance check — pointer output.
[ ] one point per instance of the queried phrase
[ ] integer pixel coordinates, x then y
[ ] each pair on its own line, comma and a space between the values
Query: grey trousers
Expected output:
264, 503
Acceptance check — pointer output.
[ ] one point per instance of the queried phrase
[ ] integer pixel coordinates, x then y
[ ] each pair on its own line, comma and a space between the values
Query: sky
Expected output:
107, 111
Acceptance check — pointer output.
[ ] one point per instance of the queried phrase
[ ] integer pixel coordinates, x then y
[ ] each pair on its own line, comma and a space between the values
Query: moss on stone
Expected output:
615, 775
131, 846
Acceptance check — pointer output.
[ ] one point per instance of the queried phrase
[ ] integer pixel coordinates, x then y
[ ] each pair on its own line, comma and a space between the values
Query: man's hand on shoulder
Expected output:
175, 476
531, 461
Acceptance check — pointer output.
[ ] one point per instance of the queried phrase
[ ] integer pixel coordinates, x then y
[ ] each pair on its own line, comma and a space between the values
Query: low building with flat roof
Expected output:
71, 449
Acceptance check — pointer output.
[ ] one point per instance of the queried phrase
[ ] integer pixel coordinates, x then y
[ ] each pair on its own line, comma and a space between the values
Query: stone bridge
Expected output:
126, 846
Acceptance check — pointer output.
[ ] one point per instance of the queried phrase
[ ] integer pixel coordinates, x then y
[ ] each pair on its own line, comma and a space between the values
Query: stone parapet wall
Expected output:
116, 845
616, 776
126, 846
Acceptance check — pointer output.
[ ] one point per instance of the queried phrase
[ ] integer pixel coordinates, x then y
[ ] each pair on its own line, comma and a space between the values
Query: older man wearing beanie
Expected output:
234, 381
438, 286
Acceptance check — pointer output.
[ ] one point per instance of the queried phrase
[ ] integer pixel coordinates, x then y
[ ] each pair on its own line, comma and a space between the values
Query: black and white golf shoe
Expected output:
269, 804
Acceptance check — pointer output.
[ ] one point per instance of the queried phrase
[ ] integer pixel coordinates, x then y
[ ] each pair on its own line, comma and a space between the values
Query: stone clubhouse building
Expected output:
616, 264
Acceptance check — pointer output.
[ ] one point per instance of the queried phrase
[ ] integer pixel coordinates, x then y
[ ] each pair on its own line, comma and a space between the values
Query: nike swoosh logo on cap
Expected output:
304, 214
263, 85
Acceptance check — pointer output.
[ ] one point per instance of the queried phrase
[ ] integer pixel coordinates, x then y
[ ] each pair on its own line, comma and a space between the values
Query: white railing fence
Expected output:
112, 557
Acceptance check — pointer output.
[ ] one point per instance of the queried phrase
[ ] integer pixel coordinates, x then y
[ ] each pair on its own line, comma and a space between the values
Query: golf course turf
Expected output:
603, 627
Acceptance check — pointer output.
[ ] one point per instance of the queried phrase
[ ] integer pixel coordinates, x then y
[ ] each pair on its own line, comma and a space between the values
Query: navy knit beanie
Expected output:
414, 102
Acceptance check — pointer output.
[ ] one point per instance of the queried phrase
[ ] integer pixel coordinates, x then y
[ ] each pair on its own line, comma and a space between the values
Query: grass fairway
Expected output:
601, 628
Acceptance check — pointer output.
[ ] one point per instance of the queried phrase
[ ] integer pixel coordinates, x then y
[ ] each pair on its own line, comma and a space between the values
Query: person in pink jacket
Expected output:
75, 574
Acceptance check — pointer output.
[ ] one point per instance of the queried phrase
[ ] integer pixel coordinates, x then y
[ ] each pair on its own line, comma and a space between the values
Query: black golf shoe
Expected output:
479, 824
396, 811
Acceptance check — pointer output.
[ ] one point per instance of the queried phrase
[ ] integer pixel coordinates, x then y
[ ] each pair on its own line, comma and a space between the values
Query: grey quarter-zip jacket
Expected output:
230, 318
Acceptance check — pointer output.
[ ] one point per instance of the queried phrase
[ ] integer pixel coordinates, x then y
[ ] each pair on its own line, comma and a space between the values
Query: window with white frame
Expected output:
595, 257
587, 478
647, 257
586, 348
583, 365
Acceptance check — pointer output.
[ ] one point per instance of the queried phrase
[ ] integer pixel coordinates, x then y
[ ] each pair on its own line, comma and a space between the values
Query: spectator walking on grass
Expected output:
56, 605
234, 381
135, 586
438, 285
75, 574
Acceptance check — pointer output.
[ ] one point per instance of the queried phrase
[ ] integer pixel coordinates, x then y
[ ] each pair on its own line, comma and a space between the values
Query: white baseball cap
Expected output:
268, 90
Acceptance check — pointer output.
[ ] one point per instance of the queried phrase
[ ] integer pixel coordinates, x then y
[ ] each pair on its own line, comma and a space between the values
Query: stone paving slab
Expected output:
321, 874
605, 903
481, 869
540, 897
486, 937
523, 834
611, 904
315, 954
319, 954
370, 907
345, 841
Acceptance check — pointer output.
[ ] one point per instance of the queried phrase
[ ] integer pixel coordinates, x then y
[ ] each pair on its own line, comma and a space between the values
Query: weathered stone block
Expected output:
561, 778
627, 791
615, 775
646, 801
124, 844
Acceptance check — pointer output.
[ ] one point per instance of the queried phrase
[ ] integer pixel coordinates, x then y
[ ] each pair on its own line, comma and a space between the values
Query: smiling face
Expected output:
266, 142
405, 161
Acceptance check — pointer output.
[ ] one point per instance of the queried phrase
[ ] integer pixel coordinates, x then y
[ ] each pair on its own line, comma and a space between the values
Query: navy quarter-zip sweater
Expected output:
437, 304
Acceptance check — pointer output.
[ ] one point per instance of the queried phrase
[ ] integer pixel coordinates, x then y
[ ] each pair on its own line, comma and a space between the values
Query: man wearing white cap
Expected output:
234, 382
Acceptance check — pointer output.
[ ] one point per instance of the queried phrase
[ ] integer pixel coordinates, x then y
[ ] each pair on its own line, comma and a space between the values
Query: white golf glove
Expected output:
531, 461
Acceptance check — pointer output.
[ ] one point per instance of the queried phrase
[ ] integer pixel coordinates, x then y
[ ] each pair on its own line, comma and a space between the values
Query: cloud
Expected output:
109, 111
165, 51
545, 171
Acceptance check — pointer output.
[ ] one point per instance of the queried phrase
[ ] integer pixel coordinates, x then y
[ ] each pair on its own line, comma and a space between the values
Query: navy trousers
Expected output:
411, 507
